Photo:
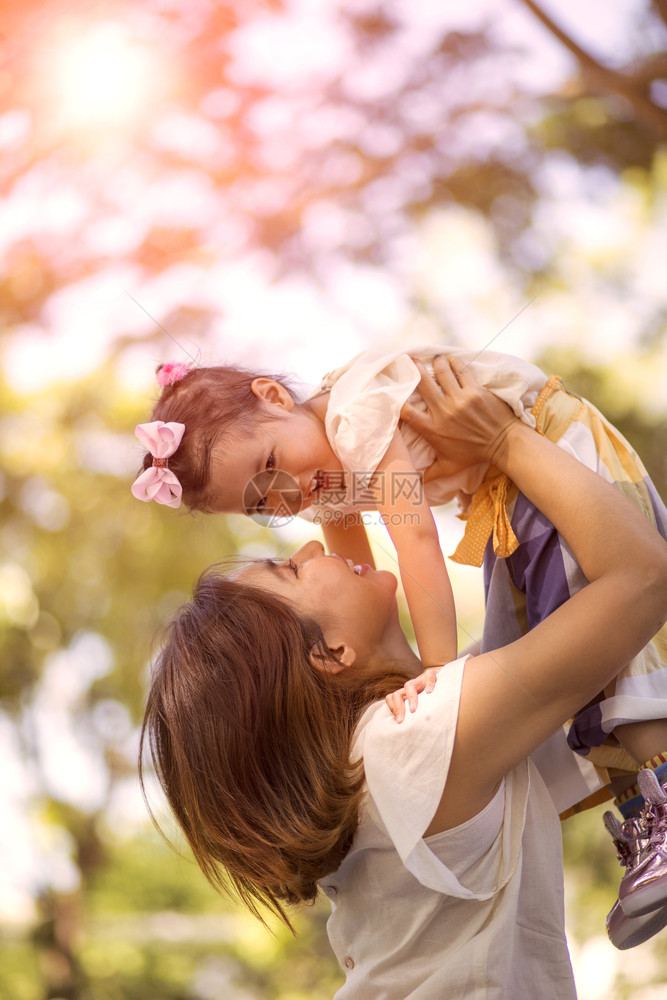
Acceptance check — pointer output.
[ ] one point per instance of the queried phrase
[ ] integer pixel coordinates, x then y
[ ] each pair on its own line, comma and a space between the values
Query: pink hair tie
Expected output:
172, 371
158, 482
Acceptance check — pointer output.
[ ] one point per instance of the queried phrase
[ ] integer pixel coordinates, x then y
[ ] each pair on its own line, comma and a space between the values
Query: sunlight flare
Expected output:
103, 78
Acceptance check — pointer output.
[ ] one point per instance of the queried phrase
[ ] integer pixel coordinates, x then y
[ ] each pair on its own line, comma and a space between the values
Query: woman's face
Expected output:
355, 606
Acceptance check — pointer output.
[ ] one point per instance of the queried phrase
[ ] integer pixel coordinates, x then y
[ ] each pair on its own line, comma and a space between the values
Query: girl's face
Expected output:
284, 437
355, 606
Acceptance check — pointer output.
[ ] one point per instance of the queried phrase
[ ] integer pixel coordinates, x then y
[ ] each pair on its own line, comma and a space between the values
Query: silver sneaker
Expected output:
628, 838
627, 932
623, 931
644, 886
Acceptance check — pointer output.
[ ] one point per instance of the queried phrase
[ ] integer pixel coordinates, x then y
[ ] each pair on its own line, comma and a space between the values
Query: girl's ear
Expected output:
272, 393
341, 657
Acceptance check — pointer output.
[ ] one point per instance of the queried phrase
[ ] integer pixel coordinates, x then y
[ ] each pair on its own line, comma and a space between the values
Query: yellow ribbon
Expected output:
487, 512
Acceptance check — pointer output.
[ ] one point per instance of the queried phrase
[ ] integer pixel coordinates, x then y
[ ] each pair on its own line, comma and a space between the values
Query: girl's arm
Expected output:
348, 538
407, 516
514, 698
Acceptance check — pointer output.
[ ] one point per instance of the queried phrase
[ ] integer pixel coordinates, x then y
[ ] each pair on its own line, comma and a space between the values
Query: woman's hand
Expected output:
463, 422
424, 682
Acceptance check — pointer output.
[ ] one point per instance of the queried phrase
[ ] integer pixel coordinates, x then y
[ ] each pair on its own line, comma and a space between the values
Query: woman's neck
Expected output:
396, 649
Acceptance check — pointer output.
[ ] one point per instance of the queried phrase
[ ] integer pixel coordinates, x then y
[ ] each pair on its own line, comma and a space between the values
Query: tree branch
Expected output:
645, 71
603, 77
661, 7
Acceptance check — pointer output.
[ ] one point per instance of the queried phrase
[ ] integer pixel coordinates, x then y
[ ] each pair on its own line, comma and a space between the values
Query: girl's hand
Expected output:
396, 700
464, 422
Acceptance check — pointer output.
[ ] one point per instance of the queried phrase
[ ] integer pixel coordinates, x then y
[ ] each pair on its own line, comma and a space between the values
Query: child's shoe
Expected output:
644, 885
627, 932
623, 931
628, 838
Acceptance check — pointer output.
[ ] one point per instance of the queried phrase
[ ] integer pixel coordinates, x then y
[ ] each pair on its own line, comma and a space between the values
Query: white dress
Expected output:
475, 912
364, 407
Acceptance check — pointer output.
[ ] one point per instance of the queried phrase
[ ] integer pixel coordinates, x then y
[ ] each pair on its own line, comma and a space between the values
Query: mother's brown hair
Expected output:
251, 742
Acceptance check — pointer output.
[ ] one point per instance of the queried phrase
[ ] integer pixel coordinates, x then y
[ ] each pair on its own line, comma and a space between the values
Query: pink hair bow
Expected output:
159, 482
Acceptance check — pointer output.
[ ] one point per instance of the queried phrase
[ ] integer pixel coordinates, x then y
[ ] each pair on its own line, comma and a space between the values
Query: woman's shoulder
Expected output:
434, 712
406, 764
361, 728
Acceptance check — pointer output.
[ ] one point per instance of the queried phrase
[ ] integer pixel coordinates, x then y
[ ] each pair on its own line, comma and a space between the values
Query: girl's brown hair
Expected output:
251, 742
209, 401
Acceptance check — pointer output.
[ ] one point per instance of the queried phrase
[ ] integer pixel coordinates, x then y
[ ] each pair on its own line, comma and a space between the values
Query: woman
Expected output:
285, 769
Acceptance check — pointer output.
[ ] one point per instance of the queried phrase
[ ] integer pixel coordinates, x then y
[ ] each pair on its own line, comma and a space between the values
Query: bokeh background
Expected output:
282, 184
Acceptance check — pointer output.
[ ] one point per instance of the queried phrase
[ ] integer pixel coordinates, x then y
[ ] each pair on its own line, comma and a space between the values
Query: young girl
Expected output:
346, 449
286, 770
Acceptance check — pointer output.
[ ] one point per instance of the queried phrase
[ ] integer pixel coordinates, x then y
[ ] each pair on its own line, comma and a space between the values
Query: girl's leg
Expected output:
644, 740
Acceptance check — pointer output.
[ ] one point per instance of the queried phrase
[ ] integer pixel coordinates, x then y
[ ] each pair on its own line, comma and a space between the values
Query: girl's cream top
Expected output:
365, 400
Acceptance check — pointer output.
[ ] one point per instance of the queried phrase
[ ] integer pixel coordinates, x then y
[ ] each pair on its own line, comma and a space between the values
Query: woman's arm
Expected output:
515, 697
409, 521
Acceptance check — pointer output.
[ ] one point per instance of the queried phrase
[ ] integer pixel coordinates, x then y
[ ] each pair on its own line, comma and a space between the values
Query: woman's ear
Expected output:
340, 657
272, 393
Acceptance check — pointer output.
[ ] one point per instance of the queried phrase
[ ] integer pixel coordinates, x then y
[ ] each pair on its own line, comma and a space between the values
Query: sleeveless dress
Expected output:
474, 912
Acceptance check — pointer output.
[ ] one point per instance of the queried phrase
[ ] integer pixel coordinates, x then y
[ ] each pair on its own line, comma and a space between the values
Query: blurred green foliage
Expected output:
621, 401
88, 559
